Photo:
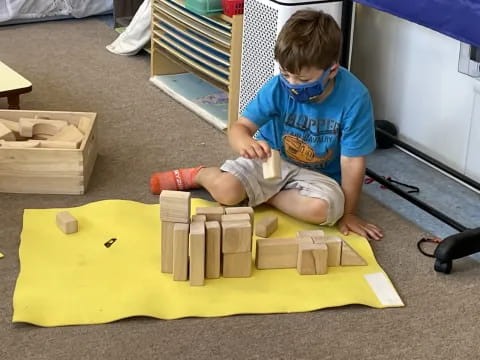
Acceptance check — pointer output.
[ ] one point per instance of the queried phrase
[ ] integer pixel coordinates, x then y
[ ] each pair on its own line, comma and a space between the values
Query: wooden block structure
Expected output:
40, 127
236, 246
266, 226
180, 251
69, 133
67, 222
310, 252
272, 168
238, 210
212, 213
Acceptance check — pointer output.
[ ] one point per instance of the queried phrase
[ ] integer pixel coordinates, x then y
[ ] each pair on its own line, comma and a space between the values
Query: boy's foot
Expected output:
179, 179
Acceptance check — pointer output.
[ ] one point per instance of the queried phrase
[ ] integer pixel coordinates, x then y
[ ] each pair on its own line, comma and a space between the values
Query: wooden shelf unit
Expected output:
207, 46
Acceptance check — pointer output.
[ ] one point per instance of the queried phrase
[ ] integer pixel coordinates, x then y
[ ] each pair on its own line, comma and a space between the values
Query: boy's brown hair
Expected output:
309, 38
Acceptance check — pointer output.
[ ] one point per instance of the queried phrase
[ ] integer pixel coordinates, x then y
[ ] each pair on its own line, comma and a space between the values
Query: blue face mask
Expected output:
307, 92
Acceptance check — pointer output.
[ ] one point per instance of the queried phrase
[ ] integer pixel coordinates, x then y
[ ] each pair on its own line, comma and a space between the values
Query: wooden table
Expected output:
12, 85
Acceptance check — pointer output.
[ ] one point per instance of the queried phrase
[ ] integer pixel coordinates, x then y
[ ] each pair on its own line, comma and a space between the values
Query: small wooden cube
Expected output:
66, 222
197, 253
175, 206
266, 226
213, 249
180, 251
236, 265
312, 259
197, 217
213, 213
236, 237
272, 168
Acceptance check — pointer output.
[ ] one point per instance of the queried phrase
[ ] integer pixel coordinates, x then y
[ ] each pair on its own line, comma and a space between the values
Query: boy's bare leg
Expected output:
304, 208
223, 186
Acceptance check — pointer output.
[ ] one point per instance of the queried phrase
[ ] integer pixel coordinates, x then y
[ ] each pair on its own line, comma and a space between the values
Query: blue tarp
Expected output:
459, 19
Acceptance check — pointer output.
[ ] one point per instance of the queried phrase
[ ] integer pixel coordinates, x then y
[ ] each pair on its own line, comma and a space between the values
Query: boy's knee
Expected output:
228, 190
318, 210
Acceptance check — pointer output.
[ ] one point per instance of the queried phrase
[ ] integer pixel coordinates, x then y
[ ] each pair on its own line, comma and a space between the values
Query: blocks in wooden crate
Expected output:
34, 169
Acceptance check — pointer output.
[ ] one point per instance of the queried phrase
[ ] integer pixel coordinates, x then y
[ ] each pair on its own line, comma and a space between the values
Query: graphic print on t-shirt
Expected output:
310, 141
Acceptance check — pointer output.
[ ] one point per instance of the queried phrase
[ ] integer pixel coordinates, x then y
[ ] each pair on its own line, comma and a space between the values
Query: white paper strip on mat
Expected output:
384, 290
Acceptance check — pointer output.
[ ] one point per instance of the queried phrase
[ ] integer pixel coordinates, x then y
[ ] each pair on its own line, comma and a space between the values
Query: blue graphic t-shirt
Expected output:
314, 135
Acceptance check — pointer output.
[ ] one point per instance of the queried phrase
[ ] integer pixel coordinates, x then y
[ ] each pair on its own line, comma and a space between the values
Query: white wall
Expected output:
411, 72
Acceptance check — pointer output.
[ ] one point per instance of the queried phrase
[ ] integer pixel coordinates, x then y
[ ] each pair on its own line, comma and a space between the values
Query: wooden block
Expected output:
167, 246
55, 144
278, 253
180, 251
236, 237
334, 245
235, 217
12, 125
175, 206
266, 226
84, 124
241, 210
236, 265
197, 217
312, 259
272, 168
311, 233
20, 144
30, 127
350, 257
213, 213
6, 133
197, 253
213, 249
66, 222
68, 133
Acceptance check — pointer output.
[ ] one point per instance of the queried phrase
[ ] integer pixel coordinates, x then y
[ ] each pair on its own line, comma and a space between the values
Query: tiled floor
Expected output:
436, 189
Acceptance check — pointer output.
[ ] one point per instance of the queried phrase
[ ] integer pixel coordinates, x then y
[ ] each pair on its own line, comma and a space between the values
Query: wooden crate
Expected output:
49, 171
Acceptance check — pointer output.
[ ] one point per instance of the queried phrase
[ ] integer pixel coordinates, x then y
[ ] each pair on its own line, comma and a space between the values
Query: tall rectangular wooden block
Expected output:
197, 253
278, 253
236, 237
213, 249
180, 251
312, 259
175, 206
167, 246
213, 213
237, 265
272, 168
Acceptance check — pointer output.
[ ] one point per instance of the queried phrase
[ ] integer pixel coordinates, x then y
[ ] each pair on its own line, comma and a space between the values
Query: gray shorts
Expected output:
310, 183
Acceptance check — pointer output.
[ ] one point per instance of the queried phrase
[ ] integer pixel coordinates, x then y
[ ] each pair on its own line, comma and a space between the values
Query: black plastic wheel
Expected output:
443, 266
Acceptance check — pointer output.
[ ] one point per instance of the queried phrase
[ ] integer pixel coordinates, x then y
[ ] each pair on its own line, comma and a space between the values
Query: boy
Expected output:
318, 115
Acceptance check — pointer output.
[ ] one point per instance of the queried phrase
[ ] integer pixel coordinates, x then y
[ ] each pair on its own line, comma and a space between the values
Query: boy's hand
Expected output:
253, 149
351, 222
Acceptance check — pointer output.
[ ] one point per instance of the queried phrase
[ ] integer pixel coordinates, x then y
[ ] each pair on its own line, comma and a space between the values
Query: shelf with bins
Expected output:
209, 46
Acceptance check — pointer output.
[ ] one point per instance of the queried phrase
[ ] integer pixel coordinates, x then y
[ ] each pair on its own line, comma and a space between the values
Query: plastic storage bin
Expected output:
232, 7
204, 7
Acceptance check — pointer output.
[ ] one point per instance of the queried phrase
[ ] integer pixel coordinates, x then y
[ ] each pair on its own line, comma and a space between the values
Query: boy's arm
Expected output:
241, 140
353, 170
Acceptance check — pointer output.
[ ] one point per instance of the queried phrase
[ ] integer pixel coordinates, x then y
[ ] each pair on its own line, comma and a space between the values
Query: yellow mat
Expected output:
76, 279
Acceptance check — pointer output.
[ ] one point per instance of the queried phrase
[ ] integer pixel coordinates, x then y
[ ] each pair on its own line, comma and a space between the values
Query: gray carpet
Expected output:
142, 130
